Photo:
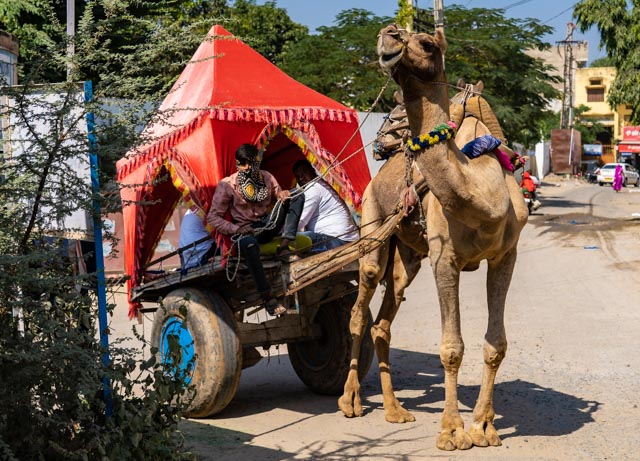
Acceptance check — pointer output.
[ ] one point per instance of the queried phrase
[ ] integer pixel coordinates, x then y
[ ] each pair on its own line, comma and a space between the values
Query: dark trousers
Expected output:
283, 220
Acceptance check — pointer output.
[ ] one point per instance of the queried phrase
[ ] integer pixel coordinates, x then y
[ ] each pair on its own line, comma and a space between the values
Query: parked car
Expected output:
606, 173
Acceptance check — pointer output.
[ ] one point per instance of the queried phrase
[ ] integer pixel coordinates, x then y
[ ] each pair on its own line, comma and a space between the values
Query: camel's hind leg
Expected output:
499, 274
406, 264
372, 268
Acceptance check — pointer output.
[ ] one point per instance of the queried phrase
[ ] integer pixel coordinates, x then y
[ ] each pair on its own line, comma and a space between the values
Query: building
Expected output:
592, 86
8, 59
555, 56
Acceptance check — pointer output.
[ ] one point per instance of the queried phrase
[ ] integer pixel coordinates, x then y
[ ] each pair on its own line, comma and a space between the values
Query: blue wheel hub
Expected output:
177, 349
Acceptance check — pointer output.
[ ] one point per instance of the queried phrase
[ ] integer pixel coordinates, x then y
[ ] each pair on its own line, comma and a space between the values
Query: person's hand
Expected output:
284, 195
246, 230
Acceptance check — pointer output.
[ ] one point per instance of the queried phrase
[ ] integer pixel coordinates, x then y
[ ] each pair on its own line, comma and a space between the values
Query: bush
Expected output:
53, 372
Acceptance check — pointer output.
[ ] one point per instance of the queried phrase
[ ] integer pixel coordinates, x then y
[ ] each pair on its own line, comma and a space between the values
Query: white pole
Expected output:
438, 13
571, 139
71, 31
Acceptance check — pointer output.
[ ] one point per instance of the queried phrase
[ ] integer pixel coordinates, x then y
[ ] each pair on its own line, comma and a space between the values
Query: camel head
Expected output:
404, 54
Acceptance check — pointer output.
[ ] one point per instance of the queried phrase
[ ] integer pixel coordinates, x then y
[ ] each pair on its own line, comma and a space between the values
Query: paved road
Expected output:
567, 390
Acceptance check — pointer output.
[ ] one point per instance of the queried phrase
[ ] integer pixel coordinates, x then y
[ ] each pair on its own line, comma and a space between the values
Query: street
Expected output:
567, 389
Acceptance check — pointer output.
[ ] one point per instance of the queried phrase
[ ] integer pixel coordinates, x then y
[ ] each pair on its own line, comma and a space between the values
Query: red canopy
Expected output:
228, 95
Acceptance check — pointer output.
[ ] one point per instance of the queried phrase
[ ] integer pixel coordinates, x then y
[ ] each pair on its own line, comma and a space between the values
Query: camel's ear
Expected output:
479, 86
460, 83
397, 97
440, 39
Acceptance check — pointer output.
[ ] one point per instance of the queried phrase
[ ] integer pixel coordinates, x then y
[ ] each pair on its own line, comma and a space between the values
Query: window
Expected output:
595, 81
595, 94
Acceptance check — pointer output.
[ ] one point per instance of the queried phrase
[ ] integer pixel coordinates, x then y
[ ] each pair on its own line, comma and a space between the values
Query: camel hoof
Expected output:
405, 417
350, 405
445, 441
485, 437
478, 438
492, 436
462, 440
458, 439
395, 413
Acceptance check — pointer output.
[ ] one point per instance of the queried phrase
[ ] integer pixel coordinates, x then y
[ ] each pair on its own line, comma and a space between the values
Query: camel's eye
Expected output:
427, 46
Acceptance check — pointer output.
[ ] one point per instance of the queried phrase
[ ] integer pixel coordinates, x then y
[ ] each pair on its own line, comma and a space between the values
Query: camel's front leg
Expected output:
406, 265
371, 272
447, 277
499, 274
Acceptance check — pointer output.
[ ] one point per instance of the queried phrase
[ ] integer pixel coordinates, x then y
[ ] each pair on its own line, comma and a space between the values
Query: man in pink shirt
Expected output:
260, 210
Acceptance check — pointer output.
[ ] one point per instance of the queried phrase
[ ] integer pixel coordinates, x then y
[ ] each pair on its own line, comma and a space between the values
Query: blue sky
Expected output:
556, 13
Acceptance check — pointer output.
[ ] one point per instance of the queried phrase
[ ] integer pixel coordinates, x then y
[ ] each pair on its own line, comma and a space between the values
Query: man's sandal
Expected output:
274, 308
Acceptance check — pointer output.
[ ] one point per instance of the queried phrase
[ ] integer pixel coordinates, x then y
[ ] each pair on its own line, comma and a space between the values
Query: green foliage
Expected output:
265, 28
51, 369
589, 130
602, 62
544, 125
618, 22
341, 61
405, 13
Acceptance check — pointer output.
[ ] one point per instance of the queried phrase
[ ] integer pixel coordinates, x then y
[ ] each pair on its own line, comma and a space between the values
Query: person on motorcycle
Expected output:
529, 184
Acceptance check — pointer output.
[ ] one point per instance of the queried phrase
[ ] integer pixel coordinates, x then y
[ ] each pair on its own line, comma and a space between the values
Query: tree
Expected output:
602, 62
180, 25
265, 28
589, 130
52, 377
618, 22
341, 61
485, 45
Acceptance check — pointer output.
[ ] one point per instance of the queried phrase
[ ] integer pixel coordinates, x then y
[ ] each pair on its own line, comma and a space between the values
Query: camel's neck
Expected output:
428, 106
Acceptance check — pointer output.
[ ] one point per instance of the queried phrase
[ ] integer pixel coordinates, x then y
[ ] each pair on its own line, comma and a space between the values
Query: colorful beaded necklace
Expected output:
440, 133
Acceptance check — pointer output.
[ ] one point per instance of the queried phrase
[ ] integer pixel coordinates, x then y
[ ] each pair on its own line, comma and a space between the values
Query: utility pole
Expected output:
71, 31
438, 13
567, 96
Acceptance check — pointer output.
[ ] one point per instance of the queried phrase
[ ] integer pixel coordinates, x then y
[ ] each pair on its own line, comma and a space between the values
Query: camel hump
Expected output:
480, 109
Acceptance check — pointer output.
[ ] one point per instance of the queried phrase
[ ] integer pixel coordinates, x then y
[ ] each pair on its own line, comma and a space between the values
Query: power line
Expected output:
560, 14
521, 2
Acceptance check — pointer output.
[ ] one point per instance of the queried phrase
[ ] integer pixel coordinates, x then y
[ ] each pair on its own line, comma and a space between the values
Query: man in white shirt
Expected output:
325, 218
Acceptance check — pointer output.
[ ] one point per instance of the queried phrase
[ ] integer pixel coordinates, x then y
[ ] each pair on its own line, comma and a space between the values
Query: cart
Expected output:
211, 318
210, 111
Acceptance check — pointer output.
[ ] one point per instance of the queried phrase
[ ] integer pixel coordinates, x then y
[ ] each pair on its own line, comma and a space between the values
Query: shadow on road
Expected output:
209, 442
549, 201
526, 408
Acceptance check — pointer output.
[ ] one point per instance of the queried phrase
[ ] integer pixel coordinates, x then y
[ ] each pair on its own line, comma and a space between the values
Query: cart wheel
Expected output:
211, 353
323, 363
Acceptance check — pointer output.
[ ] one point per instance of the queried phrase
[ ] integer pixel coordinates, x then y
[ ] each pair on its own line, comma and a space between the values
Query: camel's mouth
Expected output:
390, 59
390, 46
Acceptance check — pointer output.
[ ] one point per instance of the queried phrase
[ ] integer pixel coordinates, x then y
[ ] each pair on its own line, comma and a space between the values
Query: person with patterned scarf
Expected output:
259, 210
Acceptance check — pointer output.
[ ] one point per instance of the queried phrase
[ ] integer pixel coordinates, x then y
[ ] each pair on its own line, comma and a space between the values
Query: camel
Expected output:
469, 211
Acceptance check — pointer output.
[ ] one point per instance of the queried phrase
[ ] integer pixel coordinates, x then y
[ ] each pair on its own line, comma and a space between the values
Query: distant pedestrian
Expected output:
618, 178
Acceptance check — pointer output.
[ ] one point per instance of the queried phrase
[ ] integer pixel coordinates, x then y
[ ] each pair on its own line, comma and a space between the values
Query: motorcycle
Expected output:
532, 204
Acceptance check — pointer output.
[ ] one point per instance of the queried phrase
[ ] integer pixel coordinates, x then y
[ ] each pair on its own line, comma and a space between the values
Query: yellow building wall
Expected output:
600, 111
